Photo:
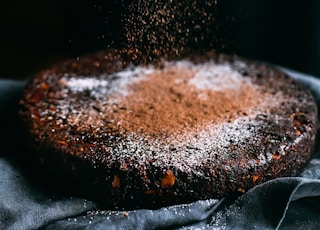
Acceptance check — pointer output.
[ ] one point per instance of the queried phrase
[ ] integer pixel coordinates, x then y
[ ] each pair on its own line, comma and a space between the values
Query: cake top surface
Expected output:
182, 114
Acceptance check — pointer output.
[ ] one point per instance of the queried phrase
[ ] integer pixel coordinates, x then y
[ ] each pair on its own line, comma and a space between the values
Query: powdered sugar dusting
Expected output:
188, 151
107, 84
208, 76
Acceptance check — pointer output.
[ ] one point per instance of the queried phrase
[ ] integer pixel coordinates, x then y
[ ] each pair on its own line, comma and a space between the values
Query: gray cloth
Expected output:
284, 203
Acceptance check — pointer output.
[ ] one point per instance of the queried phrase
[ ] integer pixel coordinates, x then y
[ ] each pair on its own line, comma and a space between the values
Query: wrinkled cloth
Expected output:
283, 203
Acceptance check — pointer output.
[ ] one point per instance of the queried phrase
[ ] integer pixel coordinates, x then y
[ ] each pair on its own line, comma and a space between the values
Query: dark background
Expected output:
35, 34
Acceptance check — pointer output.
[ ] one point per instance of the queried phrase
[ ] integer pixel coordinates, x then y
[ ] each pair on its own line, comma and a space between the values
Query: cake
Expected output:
175, 131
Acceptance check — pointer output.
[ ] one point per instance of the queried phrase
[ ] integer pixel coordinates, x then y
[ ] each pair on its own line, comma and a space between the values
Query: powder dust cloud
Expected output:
167, 29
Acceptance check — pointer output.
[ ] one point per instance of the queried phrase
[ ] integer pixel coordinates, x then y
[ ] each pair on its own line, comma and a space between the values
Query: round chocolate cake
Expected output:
145, 136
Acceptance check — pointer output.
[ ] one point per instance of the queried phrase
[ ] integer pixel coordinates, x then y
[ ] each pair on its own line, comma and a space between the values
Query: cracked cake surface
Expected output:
146, 136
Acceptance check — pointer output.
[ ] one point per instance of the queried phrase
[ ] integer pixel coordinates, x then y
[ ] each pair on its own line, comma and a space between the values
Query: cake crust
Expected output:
147, 136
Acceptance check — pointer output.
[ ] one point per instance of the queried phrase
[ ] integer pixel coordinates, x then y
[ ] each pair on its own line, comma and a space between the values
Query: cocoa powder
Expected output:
165, 104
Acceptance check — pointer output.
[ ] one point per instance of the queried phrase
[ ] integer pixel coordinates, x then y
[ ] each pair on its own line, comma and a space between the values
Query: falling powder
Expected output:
165, 29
